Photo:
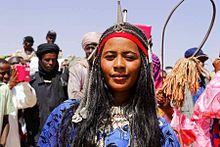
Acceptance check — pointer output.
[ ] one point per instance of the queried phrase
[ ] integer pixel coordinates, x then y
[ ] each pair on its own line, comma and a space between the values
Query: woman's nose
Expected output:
119, 62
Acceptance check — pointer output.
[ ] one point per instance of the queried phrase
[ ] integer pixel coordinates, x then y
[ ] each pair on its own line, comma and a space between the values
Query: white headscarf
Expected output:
90, 37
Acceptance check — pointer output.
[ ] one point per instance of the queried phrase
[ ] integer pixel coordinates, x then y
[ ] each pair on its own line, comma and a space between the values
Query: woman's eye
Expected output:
109, 57
130, 58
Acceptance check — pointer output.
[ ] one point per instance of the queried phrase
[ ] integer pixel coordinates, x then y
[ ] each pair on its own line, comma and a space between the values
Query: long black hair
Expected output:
98, 99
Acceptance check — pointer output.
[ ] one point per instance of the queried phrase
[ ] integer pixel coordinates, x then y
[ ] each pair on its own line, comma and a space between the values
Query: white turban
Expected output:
90, 37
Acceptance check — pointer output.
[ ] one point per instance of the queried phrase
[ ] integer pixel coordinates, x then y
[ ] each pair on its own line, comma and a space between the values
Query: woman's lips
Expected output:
119, 77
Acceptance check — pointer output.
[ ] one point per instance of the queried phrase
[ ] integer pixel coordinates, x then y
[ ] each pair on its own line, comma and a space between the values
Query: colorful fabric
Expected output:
215, 134
124, 35
118, 137
147, 29
158, 80
207, 108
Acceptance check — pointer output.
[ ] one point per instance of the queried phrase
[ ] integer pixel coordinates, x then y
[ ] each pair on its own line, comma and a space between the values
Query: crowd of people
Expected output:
117, 95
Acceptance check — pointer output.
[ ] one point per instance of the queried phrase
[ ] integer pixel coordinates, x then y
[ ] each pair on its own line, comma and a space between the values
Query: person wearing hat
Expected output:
48, 85
203, 127
51, 38
202, 57
78, 70
27, 52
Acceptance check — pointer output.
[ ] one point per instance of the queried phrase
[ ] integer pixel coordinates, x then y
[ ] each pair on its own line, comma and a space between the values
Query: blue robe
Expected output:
118, 137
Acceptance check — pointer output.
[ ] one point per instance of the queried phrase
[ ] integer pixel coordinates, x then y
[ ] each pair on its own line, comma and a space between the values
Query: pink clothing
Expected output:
147, 29
158, 80
207, 107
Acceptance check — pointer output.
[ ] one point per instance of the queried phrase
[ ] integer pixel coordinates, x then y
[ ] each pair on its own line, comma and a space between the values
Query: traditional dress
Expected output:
117, 135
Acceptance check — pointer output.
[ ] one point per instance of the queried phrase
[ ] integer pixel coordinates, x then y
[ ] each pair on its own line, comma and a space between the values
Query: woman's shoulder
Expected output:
49, 132
169, 136
58, 112
67, 104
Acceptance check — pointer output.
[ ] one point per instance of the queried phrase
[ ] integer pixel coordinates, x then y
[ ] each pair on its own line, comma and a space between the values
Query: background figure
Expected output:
79, 68
23, 96
51, 37
163, 104
204, 76
64, 69
119, 107
184, 84
203, 127
27, 52
6, 105
48, 85
64, 65
216, 64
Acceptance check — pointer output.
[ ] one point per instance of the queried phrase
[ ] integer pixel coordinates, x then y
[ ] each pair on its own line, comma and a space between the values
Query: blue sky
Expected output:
71, 19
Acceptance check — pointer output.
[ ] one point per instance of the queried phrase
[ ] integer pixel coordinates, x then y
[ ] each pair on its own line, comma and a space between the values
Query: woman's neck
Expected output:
121, 98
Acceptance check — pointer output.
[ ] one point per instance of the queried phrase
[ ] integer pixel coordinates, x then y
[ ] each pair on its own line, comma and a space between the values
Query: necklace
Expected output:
118, 117
118, 120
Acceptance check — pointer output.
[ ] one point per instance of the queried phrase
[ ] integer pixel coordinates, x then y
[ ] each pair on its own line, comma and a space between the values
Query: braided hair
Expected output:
94, 109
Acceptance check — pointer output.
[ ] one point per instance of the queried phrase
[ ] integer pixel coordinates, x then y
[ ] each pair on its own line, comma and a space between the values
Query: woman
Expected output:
119, 107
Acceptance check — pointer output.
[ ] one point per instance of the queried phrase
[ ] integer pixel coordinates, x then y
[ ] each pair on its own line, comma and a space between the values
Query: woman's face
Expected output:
120, 63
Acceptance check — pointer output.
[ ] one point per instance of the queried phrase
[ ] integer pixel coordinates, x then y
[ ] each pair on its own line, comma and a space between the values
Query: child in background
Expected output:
23, 96
6, 105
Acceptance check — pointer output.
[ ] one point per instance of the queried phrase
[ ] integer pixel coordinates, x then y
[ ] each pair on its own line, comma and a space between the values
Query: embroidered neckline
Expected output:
119, 120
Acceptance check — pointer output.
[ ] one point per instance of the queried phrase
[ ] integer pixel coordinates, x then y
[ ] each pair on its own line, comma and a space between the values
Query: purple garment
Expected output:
158, 81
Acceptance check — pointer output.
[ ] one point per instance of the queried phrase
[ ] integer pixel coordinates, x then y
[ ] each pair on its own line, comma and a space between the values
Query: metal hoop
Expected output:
203, 41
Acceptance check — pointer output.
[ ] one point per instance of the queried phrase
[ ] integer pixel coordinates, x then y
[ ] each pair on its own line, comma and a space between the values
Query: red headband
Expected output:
123, 35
